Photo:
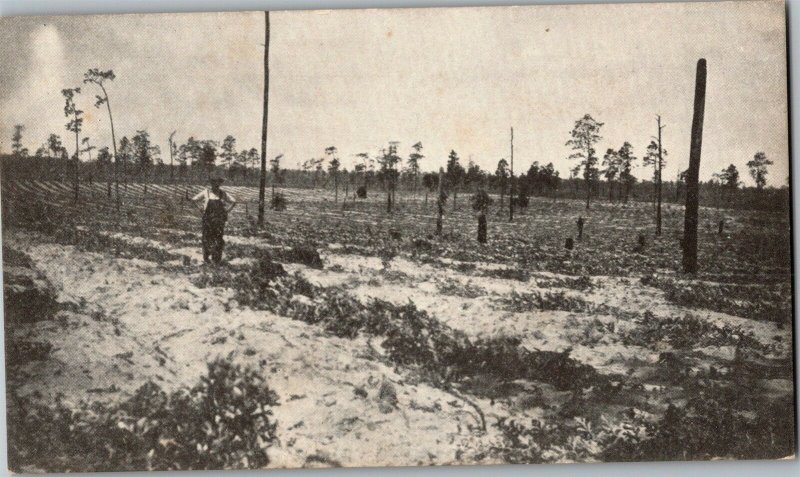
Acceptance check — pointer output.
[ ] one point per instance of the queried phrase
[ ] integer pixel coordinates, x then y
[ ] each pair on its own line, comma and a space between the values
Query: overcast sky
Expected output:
450, 78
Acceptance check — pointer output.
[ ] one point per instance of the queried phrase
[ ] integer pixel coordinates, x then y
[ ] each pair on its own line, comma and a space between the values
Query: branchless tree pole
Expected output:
440, 203
658, 177
171, 157
511, 178
263, 182
692, 175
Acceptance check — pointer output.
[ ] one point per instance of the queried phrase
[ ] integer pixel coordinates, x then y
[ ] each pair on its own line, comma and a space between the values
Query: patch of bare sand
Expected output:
167, 329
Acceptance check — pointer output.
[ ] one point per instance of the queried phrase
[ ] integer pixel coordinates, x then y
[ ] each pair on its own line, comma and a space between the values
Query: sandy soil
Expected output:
137, 322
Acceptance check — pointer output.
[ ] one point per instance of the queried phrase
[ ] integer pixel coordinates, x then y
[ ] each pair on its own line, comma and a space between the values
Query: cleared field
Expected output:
516, 351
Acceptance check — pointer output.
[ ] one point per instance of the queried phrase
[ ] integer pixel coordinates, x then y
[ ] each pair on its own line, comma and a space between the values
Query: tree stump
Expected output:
482, 228
641, 242
569, 244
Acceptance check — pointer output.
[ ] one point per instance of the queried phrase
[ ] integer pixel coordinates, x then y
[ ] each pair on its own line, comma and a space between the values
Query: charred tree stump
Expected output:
641, 243
569, 244
692, 186
580, 227
482, 228
721, 227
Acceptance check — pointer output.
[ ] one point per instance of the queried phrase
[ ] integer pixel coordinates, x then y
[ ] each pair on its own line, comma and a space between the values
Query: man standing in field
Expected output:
216, 205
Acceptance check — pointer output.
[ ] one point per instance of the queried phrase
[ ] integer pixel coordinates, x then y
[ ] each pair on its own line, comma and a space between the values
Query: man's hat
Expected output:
215, 178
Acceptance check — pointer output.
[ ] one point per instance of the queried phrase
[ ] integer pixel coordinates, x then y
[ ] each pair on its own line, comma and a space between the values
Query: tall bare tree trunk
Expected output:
692, 176
658, 178
114, 144
511, 178
109, 179
440, 204
587, 176
263, 182
172, 159
77, 161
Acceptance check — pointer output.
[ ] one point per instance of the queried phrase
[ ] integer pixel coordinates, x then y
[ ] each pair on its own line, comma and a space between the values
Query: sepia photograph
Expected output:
397, 237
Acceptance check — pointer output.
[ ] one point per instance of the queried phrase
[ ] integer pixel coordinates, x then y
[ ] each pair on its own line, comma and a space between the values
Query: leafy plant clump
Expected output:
685, 332
581, 283
708, 428
411, 337
464, 290
16, 258
23, 351
705, 428
305, 254
35, 214
747, 301
556, 301
278, 202
481, 201
518, 274
564, 440
223, 422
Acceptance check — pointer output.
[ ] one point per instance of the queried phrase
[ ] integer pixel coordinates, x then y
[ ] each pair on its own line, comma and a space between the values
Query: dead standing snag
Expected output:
692, 186
262, 184
441, 198
511, 178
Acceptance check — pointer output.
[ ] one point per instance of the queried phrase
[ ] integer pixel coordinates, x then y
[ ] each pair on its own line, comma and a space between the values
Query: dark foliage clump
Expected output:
278, 202
685, 332
223, 422
414, 338
15, 258
481, 201
557, 301
265, 270
521, 200
305, 254
34, 215
28, 295
772, 303
254, 285
504, 357
361, 192
518, 274
708, 428
422, 245
411, 337
21, 351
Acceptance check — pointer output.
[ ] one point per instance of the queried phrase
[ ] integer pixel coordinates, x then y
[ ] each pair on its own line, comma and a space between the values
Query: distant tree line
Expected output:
138, 159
